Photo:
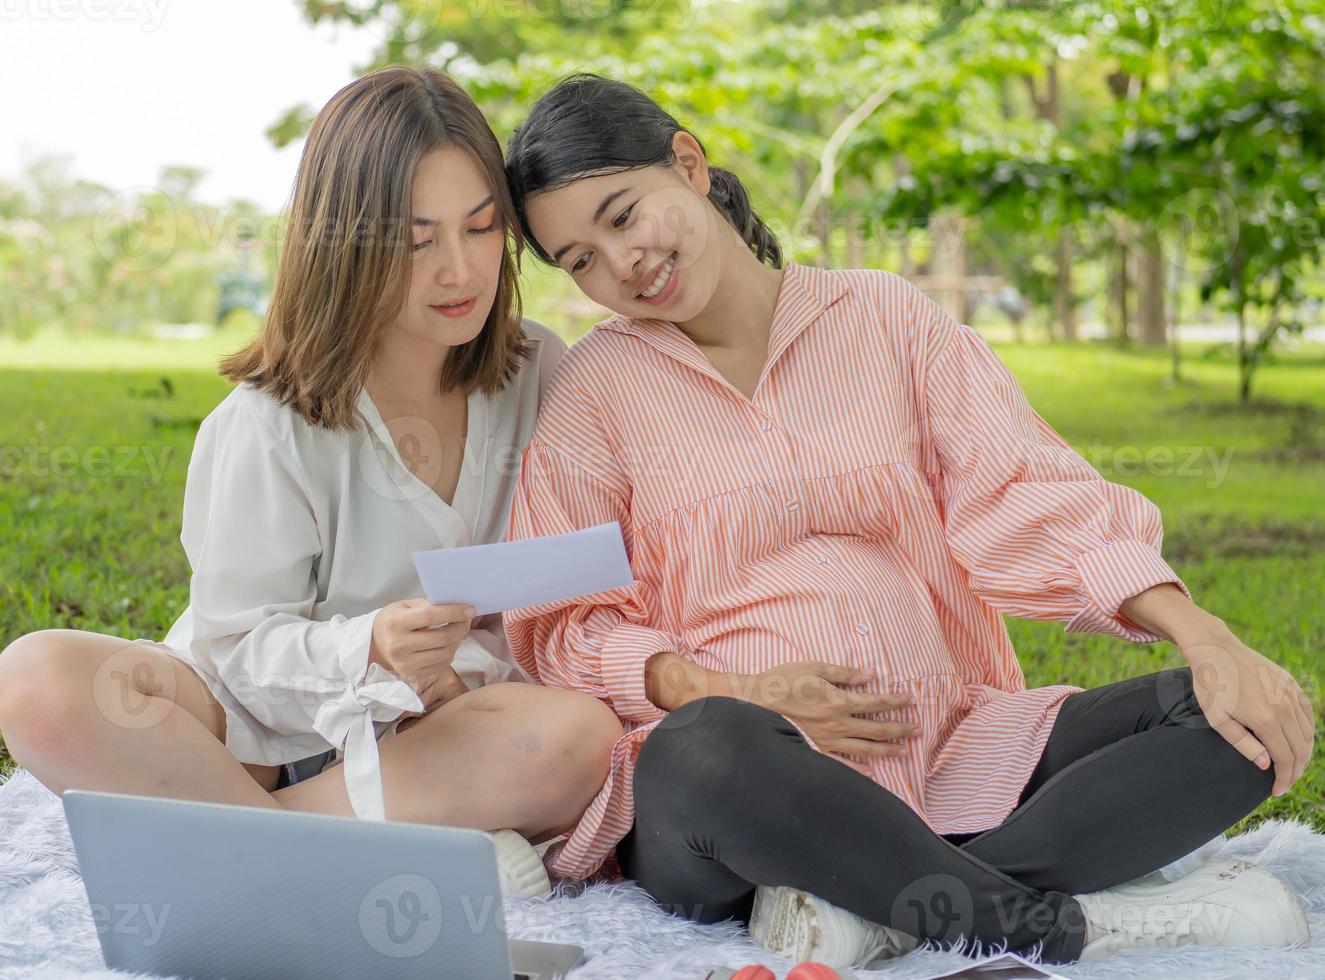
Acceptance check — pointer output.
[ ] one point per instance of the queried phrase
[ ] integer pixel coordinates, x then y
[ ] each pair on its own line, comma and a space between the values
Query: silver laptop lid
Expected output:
211, 891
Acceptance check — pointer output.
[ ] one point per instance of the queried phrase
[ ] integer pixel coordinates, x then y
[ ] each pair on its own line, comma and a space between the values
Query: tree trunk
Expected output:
856, 253
1175, 306
1065, 303
948, 264
1244, 361
1121, 287
1047, 108
1150, 293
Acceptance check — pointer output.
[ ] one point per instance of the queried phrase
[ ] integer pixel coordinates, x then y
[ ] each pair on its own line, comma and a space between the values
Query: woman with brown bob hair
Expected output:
382, 409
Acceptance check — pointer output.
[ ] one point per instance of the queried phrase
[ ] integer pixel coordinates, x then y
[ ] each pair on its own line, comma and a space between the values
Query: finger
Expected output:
880, 731
434, 637
427, 616
840, 673
446, 688
870, 702
1310, 713
868, 749
1306, 737
1244, 741
1280, 747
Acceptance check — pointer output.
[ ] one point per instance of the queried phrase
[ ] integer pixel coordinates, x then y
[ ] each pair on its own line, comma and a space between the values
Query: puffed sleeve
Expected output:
597, 644
252, 540
1041, 533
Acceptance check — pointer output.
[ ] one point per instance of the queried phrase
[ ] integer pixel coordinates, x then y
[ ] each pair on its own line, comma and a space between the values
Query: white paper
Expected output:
514, 574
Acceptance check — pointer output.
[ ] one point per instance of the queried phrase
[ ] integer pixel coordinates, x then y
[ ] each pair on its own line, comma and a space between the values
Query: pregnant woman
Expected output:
831, 492
381, 409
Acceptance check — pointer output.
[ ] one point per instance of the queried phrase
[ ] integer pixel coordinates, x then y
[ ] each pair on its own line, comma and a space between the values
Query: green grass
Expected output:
95, 545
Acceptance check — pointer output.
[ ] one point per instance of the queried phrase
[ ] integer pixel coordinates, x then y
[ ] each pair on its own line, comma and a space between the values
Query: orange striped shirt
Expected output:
883, 498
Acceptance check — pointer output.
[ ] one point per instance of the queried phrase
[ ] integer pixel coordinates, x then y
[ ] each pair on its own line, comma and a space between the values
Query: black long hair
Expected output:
590, 125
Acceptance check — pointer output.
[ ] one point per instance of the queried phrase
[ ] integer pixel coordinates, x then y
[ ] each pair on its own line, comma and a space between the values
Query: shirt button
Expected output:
821, 559
793, 505
766, 425
862, 629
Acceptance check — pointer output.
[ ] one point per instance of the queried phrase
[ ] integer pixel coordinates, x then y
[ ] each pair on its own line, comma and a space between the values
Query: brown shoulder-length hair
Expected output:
343, 274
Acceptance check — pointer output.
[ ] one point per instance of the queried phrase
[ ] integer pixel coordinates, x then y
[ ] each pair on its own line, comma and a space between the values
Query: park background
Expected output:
1126, 199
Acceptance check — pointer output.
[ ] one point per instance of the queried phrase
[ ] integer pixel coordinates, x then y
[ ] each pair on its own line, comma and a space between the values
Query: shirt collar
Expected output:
805, 294
805, 289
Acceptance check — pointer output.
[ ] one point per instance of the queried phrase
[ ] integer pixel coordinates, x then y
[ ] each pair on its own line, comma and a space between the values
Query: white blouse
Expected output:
298, 535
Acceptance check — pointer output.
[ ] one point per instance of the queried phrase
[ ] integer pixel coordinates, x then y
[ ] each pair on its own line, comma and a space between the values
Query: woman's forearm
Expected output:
1163, 609
671, 681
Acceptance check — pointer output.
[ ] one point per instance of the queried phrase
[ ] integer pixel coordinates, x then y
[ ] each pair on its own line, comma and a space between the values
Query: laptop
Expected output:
211, 891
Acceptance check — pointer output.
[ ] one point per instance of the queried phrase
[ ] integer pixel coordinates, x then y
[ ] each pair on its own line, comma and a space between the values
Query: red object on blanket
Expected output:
754, 972
812, 971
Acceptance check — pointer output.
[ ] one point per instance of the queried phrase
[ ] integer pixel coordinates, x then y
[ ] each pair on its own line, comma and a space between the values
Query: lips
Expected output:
647, 280
671, 270
455, 308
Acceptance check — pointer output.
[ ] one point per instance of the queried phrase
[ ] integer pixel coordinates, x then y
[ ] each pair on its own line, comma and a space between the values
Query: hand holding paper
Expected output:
514, 574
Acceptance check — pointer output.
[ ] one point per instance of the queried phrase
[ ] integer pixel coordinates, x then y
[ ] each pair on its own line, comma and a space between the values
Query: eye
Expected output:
623, 217
579, 263
485, 230
421, 245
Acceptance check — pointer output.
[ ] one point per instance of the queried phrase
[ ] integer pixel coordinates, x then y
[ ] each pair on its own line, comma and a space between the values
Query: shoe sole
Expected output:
774, 920
520, 871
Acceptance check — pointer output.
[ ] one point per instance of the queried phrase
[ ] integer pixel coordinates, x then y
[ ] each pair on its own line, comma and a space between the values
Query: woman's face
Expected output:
644, 243
456, 243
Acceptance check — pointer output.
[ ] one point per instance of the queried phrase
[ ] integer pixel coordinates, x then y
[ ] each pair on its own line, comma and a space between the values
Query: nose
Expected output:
452, 265
623, 261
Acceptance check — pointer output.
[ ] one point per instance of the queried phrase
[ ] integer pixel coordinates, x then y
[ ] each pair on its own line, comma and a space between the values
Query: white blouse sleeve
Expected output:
252, 540
484, 657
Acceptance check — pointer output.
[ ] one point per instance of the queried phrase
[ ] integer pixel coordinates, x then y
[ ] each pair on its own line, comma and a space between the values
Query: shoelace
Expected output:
1160, 931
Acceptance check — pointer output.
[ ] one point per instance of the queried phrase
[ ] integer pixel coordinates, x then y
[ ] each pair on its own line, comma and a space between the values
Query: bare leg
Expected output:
87, 711
512, 755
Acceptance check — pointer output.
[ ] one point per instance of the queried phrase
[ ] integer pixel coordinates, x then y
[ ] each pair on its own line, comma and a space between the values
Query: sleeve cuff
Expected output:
1112, 574
371, 694
622, 661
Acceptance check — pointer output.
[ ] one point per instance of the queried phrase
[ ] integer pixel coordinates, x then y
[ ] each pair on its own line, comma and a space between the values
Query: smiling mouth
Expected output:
660, 280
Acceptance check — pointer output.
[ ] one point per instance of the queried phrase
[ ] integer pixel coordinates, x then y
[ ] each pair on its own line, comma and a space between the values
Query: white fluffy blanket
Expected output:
46, 929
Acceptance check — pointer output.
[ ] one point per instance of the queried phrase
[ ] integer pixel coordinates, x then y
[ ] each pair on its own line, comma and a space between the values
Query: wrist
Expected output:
672, 681
1165, 610
1199, 628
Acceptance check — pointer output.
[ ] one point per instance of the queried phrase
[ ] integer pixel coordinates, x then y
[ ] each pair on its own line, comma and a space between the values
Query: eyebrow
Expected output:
603, 206
473, 211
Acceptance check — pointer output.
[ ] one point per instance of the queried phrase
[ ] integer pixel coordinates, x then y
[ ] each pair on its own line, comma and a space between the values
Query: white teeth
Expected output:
657, 285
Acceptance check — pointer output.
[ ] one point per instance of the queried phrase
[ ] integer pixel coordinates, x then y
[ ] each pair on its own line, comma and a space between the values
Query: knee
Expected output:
708, 739
1176, 693
564, 739
1177, 696
41, 693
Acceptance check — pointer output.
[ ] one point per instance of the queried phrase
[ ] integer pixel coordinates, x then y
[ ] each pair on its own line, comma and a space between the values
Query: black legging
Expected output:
728, 796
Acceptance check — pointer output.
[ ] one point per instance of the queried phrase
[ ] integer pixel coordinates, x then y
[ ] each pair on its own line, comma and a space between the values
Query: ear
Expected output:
690, 162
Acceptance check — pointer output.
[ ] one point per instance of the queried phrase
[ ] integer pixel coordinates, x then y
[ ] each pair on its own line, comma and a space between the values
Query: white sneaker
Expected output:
520, 870
1223, 903
799, 926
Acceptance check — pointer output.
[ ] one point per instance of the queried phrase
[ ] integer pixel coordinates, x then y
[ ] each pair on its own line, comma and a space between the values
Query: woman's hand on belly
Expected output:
810, 694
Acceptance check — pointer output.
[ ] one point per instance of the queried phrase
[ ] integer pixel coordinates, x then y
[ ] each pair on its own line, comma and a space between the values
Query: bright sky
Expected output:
128, 86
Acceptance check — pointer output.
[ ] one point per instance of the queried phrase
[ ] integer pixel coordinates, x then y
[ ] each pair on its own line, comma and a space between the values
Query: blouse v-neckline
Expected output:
462, 512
